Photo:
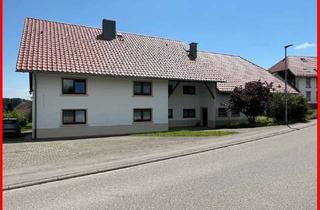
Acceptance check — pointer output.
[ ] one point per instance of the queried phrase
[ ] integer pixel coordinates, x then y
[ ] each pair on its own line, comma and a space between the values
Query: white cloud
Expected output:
305, 46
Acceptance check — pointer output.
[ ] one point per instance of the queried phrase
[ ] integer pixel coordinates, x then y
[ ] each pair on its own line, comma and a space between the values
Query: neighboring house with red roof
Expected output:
24, 107
302, 74
88, 82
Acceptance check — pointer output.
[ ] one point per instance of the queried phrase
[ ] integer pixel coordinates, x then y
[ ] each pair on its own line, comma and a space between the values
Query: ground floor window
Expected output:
222, 112
235, 113
189, 113
170, 113
142, 115
78, 116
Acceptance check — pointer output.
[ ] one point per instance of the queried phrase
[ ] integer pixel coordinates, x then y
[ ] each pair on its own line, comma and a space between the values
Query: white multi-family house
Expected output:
302, 75
91, 82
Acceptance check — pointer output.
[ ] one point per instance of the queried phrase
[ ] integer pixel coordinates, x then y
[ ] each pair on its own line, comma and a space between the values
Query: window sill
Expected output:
142, 95
74, 125
142, 122
77, 95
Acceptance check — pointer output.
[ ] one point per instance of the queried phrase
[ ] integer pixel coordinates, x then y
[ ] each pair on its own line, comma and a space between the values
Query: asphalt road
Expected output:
274, 173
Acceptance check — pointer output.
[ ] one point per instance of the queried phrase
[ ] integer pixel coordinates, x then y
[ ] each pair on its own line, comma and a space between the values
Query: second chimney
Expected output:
108, 29
193, 51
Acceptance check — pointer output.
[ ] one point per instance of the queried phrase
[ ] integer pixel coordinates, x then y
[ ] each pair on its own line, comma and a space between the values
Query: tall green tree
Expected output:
252, 100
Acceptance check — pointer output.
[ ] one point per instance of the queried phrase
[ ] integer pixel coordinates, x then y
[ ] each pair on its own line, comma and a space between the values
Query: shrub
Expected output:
297, 107
312, 114
22, 119
252, 100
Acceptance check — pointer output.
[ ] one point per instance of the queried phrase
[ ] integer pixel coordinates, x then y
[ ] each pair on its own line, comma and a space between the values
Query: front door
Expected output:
204, 117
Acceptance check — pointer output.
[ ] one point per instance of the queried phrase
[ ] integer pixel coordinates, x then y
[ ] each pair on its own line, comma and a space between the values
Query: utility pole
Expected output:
286, 83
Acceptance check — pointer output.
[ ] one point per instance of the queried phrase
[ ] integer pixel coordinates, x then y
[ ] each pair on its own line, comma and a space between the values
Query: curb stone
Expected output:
154, 158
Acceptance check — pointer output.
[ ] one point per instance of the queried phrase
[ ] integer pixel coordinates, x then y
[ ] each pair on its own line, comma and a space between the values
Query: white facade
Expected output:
202, 99
301, 85
109, 103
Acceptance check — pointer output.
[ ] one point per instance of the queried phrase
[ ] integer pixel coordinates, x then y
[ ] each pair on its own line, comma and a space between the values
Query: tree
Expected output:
252, 100
297, 107
18, 115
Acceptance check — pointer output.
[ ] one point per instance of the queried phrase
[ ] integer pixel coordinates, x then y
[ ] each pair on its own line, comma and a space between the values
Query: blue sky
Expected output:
256, 30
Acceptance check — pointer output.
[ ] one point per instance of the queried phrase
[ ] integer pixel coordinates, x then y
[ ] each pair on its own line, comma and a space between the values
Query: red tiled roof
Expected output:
301, 66
48, 46
238, 71
58, 47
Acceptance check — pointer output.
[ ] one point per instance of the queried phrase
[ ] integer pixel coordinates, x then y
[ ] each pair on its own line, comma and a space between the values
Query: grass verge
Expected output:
189, 133
28, 127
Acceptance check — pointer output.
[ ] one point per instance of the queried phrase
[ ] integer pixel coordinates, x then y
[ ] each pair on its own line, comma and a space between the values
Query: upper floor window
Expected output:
142, 88
170, 89
74, 86
189, 90
308, 82
308, 95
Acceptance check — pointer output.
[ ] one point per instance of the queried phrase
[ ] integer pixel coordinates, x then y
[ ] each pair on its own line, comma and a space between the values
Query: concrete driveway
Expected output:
27, 159
275, 173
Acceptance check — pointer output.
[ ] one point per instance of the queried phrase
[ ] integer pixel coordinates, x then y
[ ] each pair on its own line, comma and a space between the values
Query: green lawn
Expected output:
189, 133
27, 127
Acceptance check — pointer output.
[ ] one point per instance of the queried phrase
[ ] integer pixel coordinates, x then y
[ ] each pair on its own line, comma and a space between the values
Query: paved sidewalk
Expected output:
30, 162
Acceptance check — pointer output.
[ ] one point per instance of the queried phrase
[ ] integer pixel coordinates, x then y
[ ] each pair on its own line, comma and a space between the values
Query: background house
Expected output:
302, 75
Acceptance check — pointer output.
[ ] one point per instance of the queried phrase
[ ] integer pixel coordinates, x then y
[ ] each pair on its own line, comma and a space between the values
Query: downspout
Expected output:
35, 106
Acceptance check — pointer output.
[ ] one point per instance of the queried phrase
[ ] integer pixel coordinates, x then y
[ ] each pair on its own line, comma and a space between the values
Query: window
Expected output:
74, 116
235, 113
308, 95
308, 82
189, 90
222, 112
74, 86
189, 113
170, 113
170, 89
142, 88
140, 115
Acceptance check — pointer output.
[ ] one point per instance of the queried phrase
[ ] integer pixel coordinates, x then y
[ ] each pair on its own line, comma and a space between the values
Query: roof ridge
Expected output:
309, 56
253, 63
79, 25
71, 24
274, 65
218, 53
152, 36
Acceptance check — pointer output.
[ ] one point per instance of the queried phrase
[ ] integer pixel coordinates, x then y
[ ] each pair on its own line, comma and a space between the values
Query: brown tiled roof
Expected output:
238, 71
48, 46
58, 47
24, 107
300, 66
